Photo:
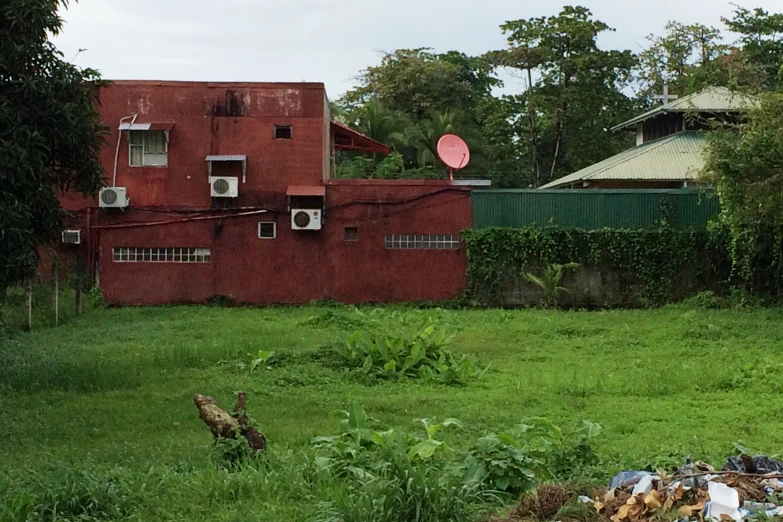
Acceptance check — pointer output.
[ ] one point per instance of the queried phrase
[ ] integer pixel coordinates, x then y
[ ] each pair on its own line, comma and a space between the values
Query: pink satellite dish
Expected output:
453, 152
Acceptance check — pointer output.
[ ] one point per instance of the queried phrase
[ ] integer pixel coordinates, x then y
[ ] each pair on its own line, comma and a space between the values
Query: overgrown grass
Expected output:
98, 421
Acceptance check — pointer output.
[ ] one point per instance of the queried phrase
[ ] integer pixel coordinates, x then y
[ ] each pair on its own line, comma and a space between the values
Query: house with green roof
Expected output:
670, 142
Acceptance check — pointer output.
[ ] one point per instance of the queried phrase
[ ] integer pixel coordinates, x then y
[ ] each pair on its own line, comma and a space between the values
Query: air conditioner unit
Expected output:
72, 237
306, 219
224, 187
113, 197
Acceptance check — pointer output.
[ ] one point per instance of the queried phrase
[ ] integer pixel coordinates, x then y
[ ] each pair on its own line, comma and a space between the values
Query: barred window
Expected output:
161, 255
430, 242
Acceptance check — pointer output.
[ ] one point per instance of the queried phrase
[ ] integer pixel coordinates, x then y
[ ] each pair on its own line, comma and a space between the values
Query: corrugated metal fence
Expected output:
594, 209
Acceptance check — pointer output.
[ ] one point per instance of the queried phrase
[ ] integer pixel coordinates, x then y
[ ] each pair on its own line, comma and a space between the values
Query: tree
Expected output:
50, 133
415, 82
746, 166
375, 121
687, 58
575, 90
761, 41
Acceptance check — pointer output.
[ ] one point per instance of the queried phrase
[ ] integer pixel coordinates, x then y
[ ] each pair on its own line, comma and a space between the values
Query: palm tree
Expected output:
377, 122
425, 137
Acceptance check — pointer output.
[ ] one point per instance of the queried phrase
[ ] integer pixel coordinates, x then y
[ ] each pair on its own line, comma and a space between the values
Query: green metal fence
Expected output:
594, 209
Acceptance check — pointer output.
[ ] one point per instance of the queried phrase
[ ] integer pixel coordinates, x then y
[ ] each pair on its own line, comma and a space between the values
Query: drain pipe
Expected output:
117, 152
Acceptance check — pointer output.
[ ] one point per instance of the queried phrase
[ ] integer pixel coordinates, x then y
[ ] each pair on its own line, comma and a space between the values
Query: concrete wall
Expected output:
201, 128
596, 287
298, 267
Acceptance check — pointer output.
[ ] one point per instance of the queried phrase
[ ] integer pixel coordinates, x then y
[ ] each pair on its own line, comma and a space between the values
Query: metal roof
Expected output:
711, 99
153, 125
472, 182
227, 157
678, 157
347, 139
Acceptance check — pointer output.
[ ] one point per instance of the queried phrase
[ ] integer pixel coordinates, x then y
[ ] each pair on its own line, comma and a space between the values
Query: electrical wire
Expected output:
184, 220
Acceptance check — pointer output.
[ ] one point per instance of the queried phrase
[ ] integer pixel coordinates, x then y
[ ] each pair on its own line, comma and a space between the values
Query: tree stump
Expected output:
223, 425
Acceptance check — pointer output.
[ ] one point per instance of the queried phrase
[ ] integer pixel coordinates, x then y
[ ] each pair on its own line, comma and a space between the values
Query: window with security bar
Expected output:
148, 148
422, 242
161, 255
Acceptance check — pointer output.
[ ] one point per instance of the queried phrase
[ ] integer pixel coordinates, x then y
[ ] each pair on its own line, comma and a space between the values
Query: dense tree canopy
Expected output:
50, 133
746, 167
576, 95
574, 92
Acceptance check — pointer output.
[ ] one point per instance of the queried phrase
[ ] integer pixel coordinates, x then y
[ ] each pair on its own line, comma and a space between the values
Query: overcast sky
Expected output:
325, 40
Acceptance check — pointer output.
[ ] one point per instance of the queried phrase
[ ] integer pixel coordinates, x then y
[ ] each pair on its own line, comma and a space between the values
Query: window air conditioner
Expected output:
223, 187
113, 197
72, 237
306, 219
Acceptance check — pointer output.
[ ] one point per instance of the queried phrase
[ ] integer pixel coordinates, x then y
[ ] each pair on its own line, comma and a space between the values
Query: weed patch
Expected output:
422, 355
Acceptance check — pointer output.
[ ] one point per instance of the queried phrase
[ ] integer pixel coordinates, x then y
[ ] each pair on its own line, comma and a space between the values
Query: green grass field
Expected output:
105, 401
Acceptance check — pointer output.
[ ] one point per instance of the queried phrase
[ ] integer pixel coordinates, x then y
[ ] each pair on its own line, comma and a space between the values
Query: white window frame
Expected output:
161, 255
143, 145
274, 229
422, 241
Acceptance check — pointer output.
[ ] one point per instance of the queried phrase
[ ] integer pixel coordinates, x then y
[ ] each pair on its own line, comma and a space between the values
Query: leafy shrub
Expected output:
360, 451
707, 300
263, 359
535, 449
422, 355
392, 475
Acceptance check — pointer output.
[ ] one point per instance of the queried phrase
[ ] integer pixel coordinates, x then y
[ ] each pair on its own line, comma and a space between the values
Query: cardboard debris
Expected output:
695, 492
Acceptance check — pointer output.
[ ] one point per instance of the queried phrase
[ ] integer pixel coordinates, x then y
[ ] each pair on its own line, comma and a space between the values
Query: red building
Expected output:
227, 189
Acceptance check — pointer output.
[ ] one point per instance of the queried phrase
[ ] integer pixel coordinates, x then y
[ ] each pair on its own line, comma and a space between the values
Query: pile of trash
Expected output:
747, 487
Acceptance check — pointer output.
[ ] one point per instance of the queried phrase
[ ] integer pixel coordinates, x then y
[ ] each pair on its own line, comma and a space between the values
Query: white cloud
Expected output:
322, 40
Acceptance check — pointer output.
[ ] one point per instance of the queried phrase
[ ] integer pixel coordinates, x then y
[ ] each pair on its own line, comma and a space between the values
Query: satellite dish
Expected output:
453, 152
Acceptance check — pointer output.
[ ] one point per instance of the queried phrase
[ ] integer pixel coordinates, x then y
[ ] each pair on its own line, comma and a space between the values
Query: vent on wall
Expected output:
72, 237
283, 132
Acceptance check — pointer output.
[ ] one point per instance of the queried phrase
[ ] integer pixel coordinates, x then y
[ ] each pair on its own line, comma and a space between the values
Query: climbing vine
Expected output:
650, 267
745, 164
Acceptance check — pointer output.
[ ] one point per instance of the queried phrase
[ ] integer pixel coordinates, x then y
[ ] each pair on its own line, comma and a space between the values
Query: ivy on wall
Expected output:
650, 265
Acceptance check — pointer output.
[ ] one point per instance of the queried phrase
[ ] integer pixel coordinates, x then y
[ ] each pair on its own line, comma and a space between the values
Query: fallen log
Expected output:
223, 425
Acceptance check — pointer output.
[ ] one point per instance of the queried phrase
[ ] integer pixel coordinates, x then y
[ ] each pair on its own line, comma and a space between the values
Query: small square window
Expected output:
283, 132
351, 234
267, 230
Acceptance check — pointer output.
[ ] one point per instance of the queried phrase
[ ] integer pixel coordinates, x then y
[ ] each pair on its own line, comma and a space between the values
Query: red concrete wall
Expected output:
296, 266
192, 106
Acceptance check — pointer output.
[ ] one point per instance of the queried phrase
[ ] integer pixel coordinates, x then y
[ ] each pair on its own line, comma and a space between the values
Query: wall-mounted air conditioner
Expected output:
306, 219
72, 237
113, 197
223, 187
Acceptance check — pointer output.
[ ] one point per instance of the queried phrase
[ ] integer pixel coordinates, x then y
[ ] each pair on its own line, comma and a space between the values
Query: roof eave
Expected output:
642, 117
